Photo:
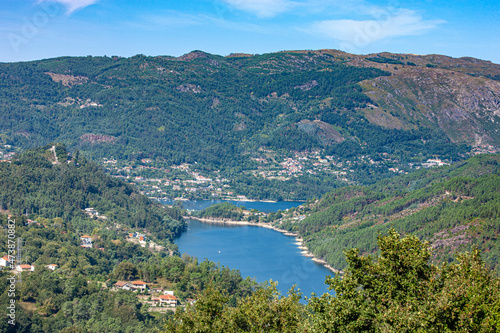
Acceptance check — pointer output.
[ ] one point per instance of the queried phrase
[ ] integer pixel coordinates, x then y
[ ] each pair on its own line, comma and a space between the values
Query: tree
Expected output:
400, 291
125, 271
263, 311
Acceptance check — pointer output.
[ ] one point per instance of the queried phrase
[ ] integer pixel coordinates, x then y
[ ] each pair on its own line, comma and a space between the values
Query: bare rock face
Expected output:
97, 138
68, 80
464, 106
307, 86
189, 88
192, 55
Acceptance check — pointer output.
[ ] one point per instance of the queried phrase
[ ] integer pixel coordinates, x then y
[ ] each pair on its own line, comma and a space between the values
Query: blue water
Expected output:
266, 207
257, 252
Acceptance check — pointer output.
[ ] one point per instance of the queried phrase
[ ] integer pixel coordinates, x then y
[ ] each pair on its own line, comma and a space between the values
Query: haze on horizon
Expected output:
38, 29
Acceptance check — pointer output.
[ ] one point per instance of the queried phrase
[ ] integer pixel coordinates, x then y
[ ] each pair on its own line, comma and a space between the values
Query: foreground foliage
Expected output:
401, 292
264, 311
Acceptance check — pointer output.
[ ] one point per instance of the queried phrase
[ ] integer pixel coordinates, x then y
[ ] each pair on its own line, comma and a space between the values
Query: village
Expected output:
158, 299
158, 179
188, 182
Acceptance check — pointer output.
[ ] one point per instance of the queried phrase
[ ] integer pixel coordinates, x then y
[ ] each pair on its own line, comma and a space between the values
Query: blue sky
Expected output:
37, 29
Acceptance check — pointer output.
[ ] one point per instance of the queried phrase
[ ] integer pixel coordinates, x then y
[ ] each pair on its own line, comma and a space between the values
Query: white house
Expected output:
170, 300
4, 261
52, 267
91, 211
25, 268
138, 285
122, 285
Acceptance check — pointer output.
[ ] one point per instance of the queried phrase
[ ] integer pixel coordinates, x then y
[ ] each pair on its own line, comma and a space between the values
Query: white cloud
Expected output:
261, 8
175, 19
72, 5
387, 23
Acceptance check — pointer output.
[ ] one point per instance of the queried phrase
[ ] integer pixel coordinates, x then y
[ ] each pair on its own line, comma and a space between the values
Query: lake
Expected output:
262, 206
257, 252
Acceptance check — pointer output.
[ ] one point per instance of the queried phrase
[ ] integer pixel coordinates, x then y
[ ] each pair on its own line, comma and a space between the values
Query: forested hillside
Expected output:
34, 183
70, 285
225, 113
453, 207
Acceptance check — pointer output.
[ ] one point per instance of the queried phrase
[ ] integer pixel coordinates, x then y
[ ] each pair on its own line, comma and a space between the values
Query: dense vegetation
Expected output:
454, 207
77, 295
212, 110
224, 210
32, 184
398, 291
181, 111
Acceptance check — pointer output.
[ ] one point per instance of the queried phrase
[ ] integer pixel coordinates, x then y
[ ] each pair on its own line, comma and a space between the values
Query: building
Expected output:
86, 241
123, 285
91, 211
5, 261
52, 267
139, 286
25, 268
169, 300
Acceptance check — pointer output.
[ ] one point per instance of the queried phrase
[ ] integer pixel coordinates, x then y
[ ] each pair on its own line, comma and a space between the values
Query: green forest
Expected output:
417, 247
32, 184
43, 202
223, 210
454, 207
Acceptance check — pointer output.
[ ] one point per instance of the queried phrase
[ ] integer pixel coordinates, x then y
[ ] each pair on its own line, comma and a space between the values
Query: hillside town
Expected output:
187, 181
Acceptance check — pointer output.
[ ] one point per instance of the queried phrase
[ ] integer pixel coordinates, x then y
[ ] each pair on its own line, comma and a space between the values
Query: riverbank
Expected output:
298, 241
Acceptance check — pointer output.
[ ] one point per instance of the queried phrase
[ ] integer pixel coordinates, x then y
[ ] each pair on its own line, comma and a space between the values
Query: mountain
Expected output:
453, 207
224, 113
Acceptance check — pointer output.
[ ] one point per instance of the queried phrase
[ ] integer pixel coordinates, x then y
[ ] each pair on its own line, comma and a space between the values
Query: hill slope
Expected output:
453, 207
34, 183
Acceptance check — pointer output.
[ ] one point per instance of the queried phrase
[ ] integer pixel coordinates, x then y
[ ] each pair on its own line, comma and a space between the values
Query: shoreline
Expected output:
298, 240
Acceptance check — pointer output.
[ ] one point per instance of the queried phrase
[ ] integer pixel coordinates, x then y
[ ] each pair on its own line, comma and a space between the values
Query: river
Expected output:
260, 253
261, 206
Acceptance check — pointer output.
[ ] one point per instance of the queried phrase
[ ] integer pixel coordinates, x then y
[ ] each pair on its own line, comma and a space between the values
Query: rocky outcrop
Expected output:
67, 80
464, 106
97, 138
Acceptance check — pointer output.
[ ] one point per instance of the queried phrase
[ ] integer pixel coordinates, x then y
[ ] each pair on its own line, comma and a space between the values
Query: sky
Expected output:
40, 29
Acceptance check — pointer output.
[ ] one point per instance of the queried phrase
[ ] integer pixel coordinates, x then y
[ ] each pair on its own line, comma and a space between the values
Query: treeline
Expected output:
398, 291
